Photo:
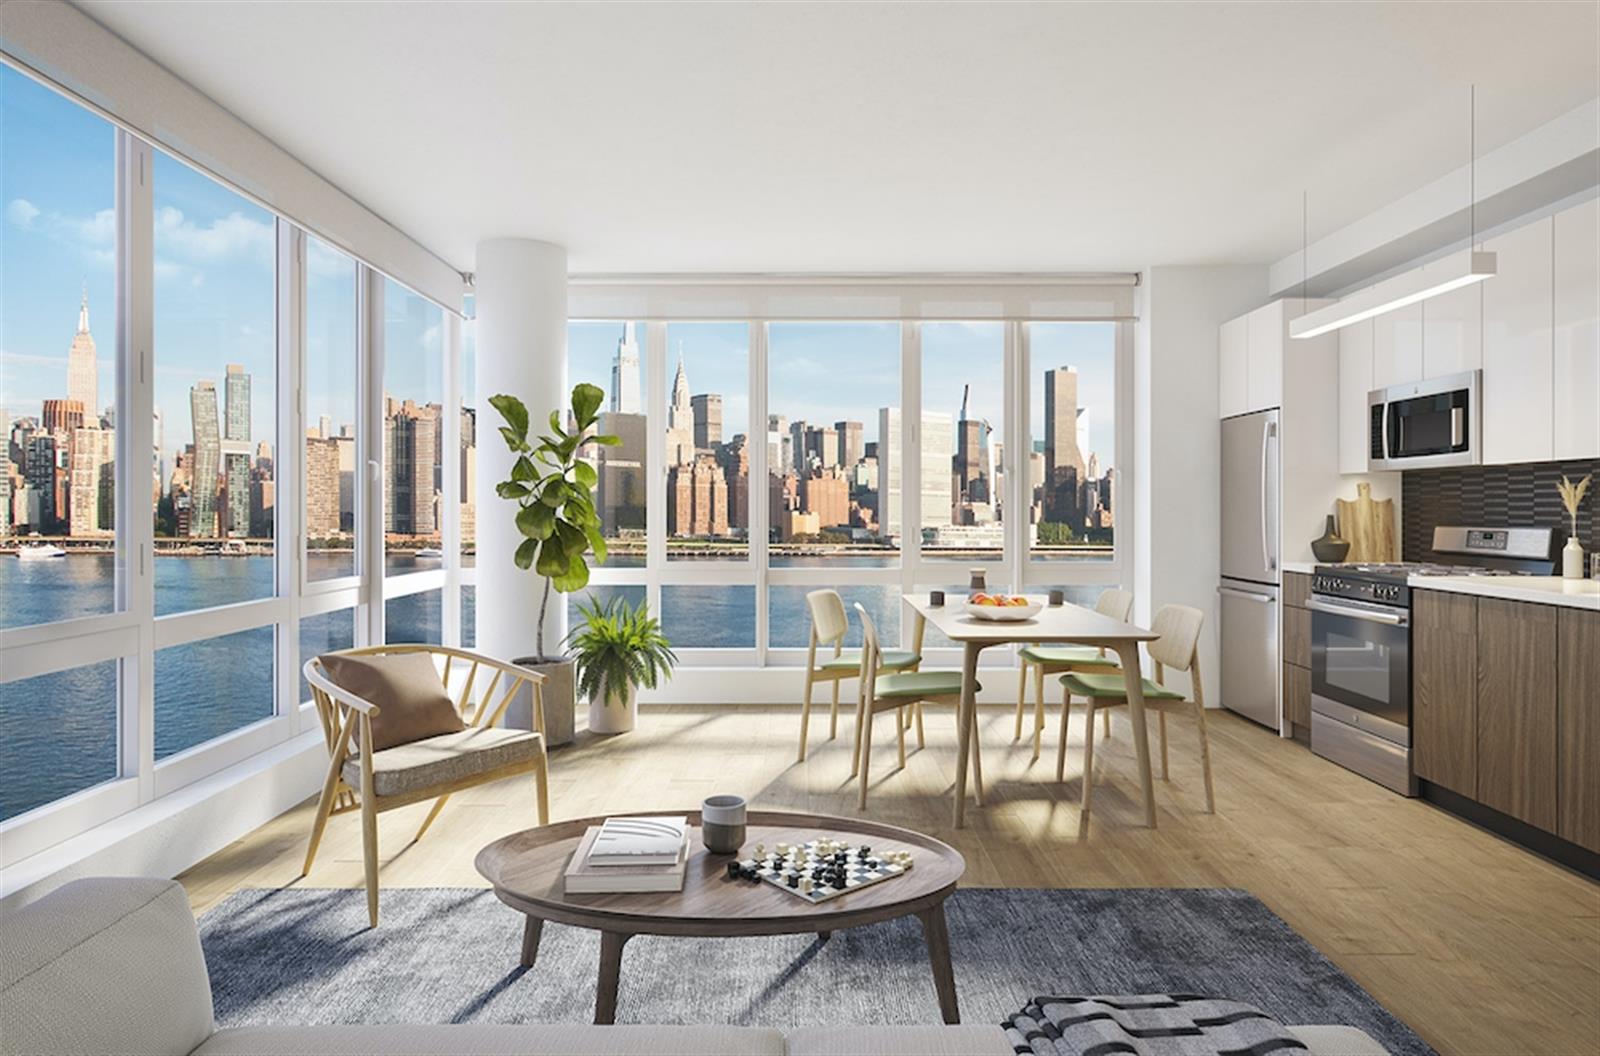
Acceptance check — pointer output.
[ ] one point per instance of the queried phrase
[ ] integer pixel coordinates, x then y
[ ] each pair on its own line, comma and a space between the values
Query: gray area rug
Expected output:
449, 955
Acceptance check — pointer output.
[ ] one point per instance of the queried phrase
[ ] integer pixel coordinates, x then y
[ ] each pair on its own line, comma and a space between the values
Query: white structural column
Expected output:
520, 288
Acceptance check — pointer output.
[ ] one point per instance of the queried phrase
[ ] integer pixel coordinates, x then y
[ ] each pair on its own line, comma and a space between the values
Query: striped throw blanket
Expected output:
1146, 1025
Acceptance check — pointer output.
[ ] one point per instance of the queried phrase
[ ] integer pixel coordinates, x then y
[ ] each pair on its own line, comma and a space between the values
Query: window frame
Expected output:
132, 633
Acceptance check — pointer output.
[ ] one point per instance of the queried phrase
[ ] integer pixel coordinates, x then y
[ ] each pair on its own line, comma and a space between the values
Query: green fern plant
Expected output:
617, 647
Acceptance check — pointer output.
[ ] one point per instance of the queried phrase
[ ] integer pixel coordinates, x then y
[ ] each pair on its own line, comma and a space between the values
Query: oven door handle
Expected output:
1395, 619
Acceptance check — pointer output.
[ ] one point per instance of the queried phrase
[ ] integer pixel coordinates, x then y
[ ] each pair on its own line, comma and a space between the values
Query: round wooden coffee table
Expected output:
526, 869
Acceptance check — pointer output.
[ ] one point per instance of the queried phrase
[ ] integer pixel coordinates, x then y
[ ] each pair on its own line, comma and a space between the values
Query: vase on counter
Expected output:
1572, 559
1330, 548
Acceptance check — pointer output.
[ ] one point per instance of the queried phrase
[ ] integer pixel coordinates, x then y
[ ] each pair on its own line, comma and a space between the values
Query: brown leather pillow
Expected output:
411, 698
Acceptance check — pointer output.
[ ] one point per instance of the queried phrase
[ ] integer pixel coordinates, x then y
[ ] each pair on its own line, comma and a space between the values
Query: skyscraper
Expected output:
322, 488
850, 447
625, 374
83, 382
1063, 461
937, 457
207, 459
5, 473
237, 425
410, 438
971, 483
707, 410
92, 503
680, 420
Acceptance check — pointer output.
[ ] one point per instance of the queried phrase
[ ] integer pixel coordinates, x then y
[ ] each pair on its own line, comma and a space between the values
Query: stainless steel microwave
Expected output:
1437, 422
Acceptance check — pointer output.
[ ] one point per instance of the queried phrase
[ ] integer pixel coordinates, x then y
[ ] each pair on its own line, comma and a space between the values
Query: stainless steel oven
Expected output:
1437, 422
1361, 684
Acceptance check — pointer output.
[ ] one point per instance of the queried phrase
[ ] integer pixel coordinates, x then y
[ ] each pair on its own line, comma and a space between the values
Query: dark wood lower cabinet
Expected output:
1517, 710
1297, 694
1444, 689
1578, 725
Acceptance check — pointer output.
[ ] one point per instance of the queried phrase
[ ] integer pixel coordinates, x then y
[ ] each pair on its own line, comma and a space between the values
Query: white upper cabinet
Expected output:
1397, 347
1518, 360
1355, 382
1233, 383
1452, 326
1267, 337
1577, 336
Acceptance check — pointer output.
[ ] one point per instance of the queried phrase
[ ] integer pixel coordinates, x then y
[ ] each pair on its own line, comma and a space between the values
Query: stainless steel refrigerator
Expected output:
1250, 566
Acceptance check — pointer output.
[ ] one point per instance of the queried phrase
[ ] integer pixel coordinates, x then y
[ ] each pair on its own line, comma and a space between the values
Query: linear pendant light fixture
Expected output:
1430, 280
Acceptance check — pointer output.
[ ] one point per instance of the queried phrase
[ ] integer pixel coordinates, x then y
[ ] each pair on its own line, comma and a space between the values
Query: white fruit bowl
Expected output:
1004, 613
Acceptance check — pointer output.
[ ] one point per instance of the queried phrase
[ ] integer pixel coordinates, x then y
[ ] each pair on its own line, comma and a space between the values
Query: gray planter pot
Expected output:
560, 701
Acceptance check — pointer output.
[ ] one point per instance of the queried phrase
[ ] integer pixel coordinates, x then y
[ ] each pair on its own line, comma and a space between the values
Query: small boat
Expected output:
39, 552
430, 551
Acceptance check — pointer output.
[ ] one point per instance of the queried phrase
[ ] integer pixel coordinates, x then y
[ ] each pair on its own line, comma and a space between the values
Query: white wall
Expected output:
1177, 443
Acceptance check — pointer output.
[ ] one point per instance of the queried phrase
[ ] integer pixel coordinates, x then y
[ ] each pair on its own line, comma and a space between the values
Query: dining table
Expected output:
1064, 624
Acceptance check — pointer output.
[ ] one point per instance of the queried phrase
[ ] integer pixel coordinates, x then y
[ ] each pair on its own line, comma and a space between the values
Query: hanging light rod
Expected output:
1430, 280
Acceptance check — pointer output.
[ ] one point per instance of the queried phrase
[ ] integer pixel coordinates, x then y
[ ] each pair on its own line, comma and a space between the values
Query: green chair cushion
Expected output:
1077, 655
915, 685
850, 660
1097, 685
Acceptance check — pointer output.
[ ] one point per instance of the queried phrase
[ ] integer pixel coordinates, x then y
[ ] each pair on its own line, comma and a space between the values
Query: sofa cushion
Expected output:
531, 1039
1338, 1041
411, 698
970, 1039
439, 760
103, 965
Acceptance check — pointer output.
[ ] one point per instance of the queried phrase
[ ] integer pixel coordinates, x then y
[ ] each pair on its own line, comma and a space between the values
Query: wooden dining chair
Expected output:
1177, 646
1042, 660
432, 768
897, 691
828, 627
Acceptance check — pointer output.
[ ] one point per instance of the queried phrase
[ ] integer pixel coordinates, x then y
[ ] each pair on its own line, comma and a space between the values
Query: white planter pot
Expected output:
613, 716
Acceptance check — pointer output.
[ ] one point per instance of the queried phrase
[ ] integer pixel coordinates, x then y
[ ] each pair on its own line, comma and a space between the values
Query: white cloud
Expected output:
21, 213
230, 237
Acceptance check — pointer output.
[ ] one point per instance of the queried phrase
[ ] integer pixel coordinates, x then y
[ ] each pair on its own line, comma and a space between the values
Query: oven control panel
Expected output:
1379, 591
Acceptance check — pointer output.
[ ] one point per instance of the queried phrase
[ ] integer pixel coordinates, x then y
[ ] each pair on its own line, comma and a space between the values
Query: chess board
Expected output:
833, 869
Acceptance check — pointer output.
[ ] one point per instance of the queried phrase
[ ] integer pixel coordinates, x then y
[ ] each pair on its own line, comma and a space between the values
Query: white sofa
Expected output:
113, 965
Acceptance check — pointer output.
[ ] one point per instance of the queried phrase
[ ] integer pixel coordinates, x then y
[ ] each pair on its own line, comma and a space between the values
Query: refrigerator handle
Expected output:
1266, 556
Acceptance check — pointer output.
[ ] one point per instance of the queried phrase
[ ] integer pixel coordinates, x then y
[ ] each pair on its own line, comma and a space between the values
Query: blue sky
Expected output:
214, 306
214, 276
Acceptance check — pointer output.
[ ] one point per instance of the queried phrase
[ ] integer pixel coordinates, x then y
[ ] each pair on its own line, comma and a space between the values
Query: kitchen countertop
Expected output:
1305, 568
1544, 590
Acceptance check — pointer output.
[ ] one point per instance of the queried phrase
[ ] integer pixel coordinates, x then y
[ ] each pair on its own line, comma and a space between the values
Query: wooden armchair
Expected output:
432, 768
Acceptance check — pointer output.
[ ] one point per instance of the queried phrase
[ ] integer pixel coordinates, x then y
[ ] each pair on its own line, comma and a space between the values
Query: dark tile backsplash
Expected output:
1520, 496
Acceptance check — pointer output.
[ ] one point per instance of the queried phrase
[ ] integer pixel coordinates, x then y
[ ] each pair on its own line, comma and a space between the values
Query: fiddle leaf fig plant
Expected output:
554, 492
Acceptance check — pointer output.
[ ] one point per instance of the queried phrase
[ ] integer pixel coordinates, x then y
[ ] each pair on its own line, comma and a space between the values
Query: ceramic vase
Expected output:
1572, 559
609, 715
1330, 547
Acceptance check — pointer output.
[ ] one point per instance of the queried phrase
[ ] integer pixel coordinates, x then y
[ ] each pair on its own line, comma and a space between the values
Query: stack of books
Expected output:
630, 855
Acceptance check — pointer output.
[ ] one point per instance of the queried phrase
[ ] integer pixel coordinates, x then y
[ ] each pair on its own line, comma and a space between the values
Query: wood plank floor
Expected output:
1480, 946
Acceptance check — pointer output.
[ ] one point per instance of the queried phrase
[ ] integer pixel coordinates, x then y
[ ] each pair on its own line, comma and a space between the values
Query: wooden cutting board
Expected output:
1368, 524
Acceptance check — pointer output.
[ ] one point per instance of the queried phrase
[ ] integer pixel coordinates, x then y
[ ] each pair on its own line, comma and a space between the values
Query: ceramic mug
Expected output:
936, 598
1058, 597
722, 824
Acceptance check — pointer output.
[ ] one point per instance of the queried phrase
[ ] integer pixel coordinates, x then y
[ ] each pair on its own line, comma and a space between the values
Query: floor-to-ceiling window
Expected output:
199, 457
59, 705
216, 360
413, 452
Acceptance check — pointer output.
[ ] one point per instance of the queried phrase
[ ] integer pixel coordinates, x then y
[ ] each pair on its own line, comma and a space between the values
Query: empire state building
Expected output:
82, 374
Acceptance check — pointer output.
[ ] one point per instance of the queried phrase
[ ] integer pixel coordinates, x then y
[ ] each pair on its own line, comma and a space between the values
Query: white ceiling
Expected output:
807, 137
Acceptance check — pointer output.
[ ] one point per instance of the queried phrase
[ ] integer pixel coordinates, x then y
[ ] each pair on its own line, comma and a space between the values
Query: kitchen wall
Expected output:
1494, 497
1177, 442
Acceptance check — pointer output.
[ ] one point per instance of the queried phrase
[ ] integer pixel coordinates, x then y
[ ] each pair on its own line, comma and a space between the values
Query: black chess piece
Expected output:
734, 870
794, 880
